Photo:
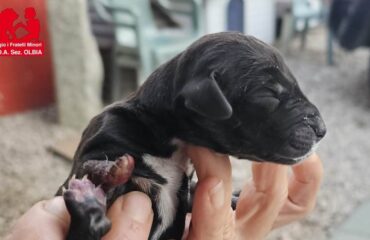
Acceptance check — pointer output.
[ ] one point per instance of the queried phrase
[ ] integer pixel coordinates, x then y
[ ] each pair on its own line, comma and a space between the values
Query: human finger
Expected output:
212, 199
46, 220
208, 163
208, 213
261, 200
304, 186
131, 217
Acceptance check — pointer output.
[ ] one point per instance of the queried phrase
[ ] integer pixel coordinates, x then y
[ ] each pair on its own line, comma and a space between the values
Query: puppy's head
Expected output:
233, 93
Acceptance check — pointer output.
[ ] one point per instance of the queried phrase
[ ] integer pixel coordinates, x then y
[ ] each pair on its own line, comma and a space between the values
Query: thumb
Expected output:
46, 220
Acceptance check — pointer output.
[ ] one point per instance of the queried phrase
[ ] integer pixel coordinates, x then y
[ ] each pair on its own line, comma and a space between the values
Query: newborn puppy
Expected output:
228, 92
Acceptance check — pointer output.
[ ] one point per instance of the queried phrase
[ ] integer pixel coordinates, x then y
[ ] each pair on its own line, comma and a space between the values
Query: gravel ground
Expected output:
30, 173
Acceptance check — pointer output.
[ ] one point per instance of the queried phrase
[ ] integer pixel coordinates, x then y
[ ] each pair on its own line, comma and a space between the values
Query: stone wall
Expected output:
77, 64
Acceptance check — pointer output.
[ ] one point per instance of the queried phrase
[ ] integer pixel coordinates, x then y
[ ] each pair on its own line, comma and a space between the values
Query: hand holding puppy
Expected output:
270, 200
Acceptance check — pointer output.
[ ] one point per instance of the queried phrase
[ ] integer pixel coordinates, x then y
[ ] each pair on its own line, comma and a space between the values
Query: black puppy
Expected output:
228, 92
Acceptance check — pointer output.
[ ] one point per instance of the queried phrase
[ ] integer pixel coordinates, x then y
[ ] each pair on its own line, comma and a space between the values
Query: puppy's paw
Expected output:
80, 190
87, 206
87, 203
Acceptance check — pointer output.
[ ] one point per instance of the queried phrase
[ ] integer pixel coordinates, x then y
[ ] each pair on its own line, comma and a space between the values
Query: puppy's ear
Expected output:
205, 97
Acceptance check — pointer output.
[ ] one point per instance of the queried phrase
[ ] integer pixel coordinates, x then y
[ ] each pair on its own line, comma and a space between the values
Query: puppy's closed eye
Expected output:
268, 96
265, 96
275, 88
268, 103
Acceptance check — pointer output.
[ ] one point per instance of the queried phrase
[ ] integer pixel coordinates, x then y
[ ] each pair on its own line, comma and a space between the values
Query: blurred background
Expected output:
98, 51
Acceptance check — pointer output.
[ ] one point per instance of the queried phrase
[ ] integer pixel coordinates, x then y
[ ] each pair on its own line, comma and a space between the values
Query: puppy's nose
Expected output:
318, 125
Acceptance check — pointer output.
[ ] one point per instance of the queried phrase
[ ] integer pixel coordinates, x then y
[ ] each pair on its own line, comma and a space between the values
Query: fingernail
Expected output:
138, 206
55, 206
217, 195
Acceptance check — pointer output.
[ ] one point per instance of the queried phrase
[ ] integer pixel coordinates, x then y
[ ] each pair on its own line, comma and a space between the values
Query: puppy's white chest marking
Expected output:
172, 169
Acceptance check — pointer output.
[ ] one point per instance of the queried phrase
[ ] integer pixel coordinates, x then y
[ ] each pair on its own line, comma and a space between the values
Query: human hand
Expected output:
49, 220
268, 201
271, 199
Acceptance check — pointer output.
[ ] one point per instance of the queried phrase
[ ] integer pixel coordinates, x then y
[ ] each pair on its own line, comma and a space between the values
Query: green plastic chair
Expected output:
140, 44
301, 11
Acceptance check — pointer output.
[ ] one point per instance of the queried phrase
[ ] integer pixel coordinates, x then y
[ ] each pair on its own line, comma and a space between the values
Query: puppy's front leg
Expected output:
109, 174
87, 203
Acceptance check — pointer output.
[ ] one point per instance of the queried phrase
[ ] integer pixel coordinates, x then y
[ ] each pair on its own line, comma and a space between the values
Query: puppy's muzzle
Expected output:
306, 129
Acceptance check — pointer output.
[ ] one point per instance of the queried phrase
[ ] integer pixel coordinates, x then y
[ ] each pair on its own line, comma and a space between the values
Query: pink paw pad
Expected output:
82, 189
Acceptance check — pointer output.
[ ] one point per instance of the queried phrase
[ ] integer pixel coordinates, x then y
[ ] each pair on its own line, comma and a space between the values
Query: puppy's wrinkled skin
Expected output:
228, 92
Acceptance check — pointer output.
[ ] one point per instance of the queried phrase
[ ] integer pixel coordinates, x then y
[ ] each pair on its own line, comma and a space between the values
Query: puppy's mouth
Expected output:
280, 159
301, 143
292, 160
302, 140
